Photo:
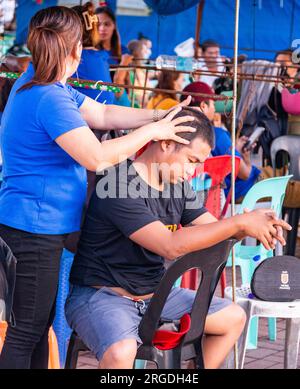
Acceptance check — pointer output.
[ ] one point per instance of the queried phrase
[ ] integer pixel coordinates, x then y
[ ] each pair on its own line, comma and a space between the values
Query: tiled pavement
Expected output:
268, 355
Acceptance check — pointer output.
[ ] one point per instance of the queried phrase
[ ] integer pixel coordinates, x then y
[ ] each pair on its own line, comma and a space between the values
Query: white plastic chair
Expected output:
254, 307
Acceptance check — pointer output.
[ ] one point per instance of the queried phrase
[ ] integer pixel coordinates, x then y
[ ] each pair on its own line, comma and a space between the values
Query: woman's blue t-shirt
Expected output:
112, 60
94, 66
43, 189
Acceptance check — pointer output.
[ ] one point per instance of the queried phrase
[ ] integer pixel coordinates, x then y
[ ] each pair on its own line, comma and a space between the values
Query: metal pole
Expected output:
145, 86
235, 68
198, 25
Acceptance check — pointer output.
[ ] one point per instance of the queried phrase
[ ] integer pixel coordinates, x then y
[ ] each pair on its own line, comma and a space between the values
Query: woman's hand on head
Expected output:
168, 127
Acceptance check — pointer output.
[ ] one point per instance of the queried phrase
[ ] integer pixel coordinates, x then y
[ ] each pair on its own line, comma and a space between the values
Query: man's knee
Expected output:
237, 316
120, 353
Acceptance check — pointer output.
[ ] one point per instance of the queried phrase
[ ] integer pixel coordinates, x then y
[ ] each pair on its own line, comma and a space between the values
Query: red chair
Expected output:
217, 168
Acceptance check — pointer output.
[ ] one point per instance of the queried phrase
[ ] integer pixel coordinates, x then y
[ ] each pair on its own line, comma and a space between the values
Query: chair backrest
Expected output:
217, 168
273, 188
291, 145
7, 279
211, 262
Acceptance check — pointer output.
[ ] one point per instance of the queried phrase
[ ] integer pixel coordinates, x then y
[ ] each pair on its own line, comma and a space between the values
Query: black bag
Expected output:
7, 280
277, 279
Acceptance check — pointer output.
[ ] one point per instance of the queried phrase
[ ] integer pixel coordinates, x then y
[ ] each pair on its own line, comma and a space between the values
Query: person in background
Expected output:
110, 40
213, 62
288, 68
166, 80
248, 174
24, 11
147, 42
198, 50
121, 77
94, 62
137, 77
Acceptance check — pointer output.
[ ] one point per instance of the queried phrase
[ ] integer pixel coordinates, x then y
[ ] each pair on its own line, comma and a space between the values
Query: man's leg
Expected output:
120, 355
222, 329
224, 323
107, 323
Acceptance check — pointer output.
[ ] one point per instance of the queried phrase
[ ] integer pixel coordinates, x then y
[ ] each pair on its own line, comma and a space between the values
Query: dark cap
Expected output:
198, 87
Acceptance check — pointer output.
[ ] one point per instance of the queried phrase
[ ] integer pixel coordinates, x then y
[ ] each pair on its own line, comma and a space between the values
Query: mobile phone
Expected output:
253, 138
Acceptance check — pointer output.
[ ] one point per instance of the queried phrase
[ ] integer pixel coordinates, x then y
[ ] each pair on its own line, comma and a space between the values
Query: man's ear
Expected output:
202, 106
167, 145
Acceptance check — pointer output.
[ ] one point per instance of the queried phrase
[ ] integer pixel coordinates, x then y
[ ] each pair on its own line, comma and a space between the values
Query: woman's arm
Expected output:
82, 145
112, 117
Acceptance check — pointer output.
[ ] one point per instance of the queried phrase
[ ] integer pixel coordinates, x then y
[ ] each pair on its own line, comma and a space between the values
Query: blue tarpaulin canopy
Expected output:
265, 26
169, 7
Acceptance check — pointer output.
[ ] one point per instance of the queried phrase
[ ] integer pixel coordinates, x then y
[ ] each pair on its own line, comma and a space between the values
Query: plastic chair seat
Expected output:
254, 307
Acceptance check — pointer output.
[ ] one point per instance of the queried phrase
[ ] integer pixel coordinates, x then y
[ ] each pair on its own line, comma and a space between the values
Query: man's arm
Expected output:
207, 218
260, 224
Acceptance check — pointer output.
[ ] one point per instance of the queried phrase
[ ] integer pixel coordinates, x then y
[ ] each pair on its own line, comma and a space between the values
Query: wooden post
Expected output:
198, 25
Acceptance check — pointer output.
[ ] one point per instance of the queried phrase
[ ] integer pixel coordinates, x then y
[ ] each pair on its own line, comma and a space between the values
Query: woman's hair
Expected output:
89, 21
115, 39
54, 33
166, 80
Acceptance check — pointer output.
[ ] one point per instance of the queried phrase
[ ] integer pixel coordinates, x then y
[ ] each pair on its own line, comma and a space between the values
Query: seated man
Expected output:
124, 243
248, 173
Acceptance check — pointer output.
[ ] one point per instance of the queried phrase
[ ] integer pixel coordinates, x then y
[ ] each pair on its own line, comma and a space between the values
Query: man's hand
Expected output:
264, 225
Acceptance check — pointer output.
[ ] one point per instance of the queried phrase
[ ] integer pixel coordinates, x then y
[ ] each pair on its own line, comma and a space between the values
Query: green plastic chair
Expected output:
224, 106
248, 257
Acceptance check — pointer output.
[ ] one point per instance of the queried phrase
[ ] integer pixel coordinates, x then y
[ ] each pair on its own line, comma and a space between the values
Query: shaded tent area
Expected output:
265, 26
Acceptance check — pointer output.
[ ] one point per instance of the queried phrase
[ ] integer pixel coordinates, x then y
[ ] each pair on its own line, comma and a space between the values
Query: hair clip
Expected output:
89, 20
102, 3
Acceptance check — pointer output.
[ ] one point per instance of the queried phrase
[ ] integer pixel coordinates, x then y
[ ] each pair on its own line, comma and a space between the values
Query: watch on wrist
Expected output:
156, 115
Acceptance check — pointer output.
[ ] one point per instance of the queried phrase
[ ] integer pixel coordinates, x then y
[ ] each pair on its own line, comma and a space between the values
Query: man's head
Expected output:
176, 161
210, 49
206, 105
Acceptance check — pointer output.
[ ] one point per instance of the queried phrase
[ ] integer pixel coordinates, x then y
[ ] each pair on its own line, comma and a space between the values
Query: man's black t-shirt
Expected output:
122, 204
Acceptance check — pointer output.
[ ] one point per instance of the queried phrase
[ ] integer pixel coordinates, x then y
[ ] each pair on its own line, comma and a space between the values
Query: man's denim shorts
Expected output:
101, 317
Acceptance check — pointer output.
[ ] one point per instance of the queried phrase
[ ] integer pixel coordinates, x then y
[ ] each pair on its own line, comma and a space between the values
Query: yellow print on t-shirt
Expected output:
172, 227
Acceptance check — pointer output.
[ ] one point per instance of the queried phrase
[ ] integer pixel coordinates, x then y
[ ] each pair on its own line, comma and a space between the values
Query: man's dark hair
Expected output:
203, 127
209, 43
285, 51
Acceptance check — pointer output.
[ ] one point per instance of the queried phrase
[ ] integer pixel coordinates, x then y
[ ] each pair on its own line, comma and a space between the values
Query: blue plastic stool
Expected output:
248, 257
60, 325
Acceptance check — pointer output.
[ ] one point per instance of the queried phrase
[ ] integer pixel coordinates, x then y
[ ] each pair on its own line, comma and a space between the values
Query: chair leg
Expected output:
140, 364
294, 214
223, 282
170, 359
72, 354
252, 333
272, 328
244, 337
292, 337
